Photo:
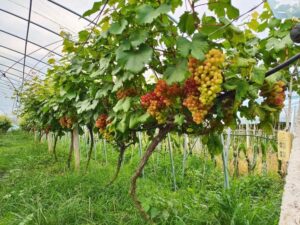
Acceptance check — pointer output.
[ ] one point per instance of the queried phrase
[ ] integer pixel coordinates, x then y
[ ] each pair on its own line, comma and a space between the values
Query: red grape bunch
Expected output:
102, 123
66, 122
275, 94
160, 99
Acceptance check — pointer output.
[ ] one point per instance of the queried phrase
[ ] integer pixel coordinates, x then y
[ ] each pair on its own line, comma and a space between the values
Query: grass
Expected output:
36, 190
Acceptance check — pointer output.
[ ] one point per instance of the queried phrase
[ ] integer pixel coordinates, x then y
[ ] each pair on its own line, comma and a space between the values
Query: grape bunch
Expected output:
101, 123
274, 94
66, 122
123, 93
202, 88
163, 96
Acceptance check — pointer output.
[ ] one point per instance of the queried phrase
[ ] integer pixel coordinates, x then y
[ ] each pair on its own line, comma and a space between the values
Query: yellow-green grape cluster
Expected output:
202, 87
208, 77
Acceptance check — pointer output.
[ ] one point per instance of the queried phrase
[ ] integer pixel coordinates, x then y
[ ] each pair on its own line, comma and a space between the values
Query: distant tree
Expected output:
5, 124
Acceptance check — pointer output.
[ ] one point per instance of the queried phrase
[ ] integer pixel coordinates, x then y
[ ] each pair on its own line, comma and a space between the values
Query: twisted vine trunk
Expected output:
76, 146
236, 162
156, 140
119, 164
70, 151
54, 146
91, 146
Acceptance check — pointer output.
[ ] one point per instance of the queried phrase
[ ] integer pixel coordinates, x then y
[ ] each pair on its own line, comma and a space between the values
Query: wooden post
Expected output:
76, 148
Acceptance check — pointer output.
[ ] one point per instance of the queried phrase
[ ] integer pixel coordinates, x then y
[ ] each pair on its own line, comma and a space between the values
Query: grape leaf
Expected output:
199, 46
118, 27
95, 8
138, 38
177, 73
183, 46
258, 75
135, 60
146, 13
187, 22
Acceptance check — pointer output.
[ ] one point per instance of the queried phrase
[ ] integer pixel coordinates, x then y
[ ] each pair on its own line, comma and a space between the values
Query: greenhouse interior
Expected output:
167, 112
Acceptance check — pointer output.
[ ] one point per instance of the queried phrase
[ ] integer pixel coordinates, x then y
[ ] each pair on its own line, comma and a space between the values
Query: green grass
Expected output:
36, 190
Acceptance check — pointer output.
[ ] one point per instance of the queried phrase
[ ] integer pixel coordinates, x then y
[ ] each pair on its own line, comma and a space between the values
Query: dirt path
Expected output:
290, 208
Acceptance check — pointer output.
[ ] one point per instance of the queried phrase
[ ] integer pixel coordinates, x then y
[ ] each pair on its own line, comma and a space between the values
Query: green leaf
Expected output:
179, 119
83, 35
224, 7
146, 13
240, 86
279, 44
187, 22
143, 118
118, 27
244, 62
138, 37
177, 73
135, 60
230, 26
126, 104
96, 7
199, 46
103, 65
258, 75
86, 105
51, 61
133, 121
121, 126
267, 127
122, 105
214, 144
119, 106
183, 46
103, 91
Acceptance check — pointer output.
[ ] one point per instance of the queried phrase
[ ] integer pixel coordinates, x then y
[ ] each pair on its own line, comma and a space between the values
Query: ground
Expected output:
34, 189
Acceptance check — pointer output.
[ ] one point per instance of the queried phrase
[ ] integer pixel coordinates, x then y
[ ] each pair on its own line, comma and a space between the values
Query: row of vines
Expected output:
141, 71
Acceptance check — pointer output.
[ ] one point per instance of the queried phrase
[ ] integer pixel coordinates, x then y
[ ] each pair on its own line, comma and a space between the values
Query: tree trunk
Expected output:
155, 141
76, 147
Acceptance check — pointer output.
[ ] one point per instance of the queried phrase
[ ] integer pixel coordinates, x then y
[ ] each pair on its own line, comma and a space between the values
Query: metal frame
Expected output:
31, 42
28, 56
72, 11
12, 74
36, 24
26, 42
15, 61
14, 70
25, 55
